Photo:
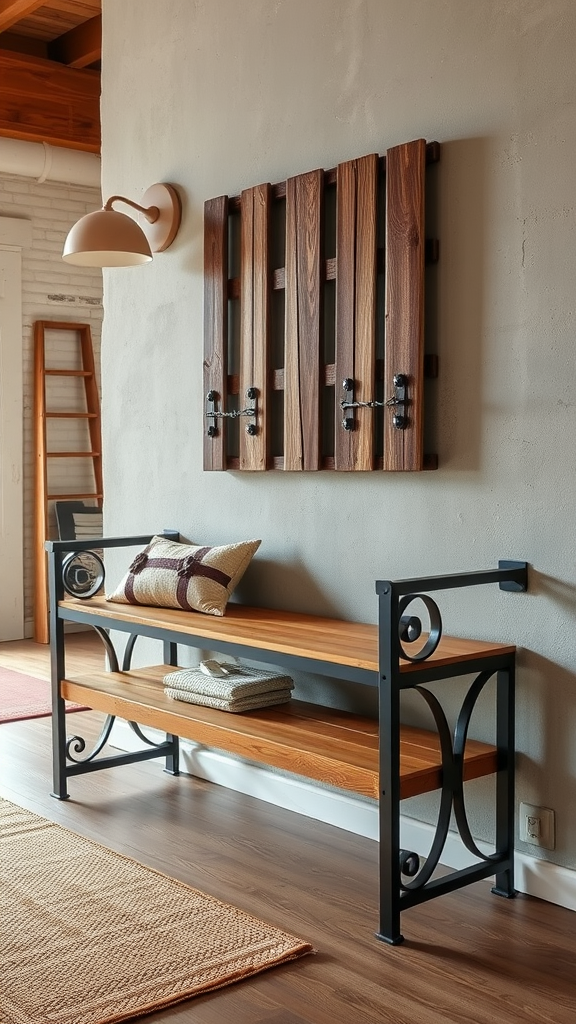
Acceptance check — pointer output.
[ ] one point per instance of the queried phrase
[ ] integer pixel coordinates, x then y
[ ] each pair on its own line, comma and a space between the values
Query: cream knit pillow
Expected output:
188, 576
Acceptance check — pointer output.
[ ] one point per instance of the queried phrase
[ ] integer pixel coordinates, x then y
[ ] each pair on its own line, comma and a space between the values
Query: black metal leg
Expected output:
505, 740
57, 672
389, 712
172, 766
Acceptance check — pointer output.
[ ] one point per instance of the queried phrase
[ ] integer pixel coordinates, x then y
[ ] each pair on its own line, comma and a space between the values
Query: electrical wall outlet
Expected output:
537, 826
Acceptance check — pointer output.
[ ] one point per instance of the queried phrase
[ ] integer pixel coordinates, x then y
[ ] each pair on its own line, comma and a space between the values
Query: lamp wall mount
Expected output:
110, 238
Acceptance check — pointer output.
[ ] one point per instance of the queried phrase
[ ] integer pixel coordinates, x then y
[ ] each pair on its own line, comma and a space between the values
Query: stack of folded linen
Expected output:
228, 687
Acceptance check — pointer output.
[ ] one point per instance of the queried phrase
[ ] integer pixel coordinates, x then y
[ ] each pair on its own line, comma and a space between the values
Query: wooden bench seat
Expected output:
335, 747
336, 642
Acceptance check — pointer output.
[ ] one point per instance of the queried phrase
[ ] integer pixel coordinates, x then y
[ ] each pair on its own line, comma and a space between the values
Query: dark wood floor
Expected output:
469, 958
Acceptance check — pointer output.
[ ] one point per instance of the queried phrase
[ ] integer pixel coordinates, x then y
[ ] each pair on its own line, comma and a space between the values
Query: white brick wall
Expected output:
52, 290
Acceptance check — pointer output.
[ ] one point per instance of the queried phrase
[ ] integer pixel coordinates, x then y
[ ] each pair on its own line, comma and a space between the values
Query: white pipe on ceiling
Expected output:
49, 163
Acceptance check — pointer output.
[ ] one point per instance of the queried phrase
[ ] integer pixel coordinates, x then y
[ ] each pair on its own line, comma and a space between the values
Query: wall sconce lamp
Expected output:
107, 238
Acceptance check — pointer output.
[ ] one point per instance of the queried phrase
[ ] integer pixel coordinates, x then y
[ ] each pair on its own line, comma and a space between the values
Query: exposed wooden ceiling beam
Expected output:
45, 102
12, 11
80, 46
24, 44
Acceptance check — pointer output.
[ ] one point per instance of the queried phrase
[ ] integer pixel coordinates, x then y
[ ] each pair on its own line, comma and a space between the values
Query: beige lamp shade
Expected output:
107, 238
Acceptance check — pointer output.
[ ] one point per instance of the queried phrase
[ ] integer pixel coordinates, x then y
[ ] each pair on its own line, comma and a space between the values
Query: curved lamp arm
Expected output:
151, 212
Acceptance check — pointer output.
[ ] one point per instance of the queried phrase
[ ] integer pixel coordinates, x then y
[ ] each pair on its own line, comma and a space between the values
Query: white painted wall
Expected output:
217, 95
51, 290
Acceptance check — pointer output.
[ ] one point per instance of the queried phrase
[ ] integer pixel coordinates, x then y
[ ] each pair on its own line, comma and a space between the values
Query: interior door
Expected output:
11, 411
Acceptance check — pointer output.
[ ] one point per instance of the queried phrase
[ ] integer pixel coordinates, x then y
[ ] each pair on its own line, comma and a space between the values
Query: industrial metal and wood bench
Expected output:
384, 759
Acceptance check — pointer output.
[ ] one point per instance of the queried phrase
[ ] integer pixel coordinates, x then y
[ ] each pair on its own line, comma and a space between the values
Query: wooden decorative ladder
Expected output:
88, 438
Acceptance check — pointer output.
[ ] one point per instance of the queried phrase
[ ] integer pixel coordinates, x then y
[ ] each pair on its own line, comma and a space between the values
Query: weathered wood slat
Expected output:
255, 320
404, 334
357, 186
303, 322
313, 437
215, 323
279, 187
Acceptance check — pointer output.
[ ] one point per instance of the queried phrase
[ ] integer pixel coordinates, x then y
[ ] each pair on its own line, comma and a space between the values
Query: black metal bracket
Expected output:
398, 401
515, 576
215, 414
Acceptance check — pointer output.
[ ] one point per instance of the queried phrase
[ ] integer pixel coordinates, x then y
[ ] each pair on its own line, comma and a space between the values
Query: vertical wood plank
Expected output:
356, 257
404, 332
41, 623
215, 324
255, 208
92, 405
303, 322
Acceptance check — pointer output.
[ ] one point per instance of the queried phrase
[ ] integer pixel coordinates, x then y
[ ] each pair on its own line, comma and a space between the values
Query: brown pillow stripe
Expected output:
185, 568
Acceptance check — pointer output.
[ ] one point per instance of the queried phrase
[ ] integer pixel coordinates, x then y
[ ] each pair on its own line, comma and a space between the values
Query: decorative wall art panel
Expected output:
314, 299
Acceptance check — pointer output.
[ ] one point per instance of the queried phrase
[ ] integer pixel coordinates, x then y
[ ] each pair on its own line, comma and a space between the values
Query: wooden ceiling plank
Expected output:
12, 11
24, 44
80, 46
43, 101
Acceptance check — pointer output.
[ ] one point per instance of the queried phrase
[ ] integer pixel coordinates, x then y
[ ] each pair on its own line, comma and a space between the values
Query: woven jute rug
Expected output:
89, 936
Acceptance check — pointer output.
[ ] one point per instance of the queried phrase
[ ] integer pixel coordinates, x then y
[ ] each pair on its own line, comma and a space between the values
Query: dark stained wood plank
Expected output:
357, 185
279, 187
345, 305
404, 332
303, 322
215, 324
80, 46
255, 321
42, 101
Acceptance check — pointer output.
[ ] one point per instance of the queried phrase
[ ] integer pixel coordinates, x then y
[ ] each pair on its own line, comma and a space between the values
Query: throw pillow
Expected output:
167, 574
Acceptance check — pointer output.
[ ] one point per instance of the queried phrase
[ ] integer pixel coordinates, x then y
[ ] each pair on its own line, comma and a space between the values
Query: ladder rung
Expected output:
72, 415
68, 373
73, 455
71, 497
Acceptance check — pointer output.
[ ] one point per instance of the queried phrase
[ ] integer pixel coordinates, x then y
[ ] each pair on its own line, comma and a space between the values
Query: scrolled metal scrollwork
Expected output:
410, 627
409, 863
460, 736
76, 745
138, 731
448, 768
452, 791
83, 573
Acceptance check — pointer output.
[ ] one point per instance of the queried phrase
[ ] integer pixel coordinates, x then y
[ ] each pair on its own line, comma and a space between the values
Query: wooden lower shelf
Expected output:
330, 746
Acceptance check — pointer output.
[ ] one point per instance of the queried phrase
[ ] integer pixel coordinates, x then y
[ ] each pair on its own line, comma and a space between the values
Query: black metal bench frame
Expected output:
404, 881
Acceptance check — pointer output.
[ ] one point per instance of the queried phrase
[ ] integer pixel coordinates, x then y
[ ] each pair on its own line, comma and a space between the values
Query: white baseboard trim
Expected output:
535, 877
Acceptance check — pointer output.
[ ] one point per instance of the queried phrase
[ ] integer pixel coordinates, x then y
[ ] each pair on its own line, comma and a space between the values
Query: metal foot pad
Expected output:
390, 942
504, 892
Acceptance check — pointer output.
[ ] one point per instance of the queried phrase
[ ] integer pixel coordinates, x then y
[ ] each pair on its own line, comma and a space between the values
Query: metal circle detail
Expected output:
435, 626
82, 573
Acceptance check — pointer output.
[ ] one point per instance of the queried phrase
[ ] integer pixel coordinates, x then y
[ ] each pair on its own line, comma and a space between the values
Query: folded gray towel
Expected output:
250, 703
247, 683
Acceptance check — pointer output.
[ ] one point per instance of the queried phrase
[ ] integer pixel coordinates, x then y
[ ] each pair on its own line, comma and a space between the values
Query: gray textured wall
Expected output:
216, 95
